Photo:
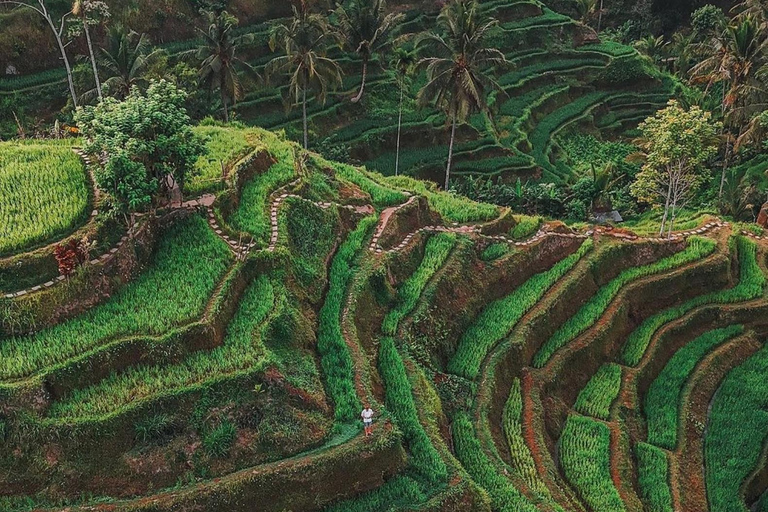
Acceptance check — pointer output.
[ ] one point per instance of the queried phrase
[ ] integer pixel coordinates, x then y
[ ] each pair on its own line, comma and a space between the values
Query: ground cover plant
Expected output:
696, 249
750, 286
45, 194
175, 288
498, 319
224, 147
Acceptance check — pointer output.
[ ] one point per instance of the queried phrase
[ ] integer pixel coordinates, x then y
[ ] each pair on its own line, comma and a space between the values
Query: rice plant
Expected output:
495, 251
335, 357
505, 497
602, 389
525, 227
665, 396
653, 478
44, 193
736, 433
225, 146
435, 254
174, 290
585, 456
751, 284
399, 493
498, 319
594, 308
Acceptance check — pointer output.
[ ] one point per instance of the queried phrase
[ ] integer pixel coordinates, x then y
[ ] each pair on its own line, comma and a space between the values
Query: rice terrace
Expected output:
383, 255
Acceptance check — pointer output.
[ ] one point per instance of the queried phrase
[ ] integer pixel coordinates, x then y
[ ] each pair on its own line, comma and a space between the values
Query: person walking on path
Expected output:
367, 416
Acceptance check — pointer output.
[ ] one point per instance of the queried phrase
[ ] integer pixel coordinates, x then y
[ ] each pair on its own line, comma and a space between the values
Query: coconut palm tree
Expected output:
368, 30
403, 62
90, 12
124, 63
303, 41
218, 60
458, 65
653, 48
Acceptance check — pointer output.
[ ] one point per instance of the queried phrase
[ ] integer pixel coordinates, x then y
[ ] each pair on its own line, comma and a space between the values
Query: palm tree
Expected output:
586, 8
90, 12
457, 65
303, 41
651, 47
125, 62
218, 68
403, 62
368, 30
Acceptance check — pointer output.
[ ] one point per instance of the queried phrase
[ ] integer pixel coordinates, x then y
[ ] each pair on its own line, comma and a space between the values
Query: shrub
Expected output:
751, 283
585, 455
498, 319
602, 389
504, 495
435, 254
589, 313
653, 478
665, 395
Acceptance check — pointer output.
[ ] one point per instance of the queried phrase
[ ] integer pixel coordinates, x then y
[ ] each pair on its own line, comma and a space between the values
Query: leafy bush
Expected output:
498, 318
665, 395
335, 357
751, 283
653, 478
218, 441
44, 192
435, 254
736, 433
188, 264
585, 455
589, 313
602, 389
504, 495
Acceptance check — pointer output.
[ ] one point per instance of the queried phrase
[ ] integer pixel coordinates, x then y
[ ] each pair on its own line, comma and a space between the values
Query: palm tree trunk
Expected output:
224, 103
600, 17
450, 153
399, 127
93, 58
304, 107
362, 85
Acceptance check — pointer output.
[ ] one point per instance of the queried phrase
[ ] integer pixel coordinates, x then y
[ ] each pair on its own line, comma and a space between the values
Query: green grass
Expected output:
252, 215
602, 389
399, 400
522, 460
585, 456
751, 283
736, 433
381, 196
495, 251
526, 226
653, 478
225, 146
589, 313
399, 493
44, 193
173, 290
498, 319
436, 253
505, 497
335, 357
649, 223
243, 349
665, 396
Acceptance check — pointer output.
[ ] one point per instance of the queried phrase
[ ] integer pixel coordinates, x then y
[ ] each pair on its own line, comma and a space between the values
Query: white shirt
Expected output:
367, 414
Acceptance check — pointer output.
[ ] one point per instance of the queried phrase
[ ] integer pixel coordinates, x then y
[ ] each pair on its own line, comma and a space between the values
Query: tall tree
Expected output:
219, 62
459, 65
124, 63
58, 34
403, 62
368, 30
303, 42
674, 146
90, 13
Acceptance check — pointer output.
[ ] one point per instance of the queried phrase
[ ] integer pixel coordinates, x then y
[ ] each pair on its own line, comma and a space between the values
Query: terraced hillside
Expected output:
554, 83
218, 356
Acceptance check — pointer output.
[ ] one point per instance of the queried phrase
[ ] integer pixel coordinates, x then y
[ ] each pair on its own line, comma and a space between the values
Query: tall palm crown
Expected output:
303, 42
218, 58
458, 63
368, 30
124, 62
